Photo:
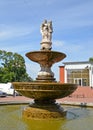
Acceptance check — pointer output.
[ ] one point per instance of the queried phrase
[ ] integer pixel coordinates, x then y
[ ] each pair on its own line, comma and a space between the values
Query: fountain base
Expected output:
44, 95
44, 111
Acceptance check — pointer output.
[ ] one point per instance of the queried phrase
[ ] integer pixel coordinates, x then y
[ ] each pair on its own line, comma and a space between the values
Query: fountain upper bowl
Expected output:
45, 57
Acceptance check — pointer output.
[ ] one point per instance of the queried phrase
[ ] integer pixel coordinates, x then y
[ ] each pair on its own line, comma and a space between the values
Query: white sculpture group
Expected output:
46, 31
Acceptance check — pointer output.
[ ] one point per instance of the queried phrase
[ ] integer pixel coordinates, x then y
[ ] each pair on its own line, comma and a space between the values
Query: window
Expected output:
78, 76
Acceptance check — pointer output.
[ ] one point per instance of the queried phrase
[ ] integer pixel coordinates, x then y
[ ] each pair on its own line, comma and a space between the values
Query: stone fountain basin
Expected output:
50, 90
45, 58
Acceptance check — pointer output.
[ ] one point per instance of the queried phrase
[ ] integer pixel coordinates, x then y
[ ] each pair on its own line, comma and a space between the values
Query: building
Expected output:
80, 73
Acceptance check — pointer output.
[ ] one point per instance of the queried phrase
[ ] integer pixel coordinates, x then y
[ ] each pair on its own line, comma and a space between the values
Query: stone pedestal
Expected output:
44, 111
45, 74
45, 45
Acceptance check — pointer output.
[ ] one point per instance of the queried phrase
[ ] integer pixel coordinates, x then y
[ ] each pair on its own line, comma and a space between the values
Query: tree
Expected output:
91, 59
12, 67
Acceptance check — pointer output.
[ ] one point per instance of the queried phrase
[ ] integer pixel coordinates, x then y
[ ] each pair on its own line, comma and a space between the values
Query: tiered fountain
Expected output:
45, 89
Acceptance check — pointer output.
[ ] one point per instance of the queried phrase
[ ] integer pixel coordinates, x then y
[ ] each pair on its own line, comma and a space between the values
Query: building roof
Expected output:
77, 62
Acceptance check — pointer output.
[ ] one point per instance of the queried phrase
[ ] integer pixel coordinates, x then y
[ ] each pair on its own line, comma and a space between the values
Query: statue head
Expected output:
45, 21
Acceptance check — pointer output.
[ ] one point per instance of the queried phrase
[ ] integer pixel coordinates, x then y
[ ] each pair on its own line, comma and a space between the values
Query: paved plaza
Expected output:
83, 96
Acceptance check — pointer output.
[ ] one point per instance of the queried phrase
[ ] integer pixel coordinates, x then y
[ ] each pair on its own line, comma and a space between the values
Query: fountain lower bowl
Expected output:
39, 91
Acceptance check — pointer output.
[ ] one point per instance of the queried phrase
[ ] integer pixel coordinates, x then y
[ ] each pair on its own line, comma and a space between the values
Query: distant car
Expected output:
8, 89
3, 94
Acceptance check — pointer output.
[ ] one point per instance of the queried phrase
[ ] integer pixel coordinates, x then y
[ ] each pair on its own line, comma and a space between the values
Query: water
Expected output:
77, 119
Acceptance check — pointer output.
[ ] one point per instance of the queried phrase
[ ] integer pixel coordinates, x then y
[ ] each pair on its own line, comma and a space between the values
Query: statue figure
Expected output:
46, 31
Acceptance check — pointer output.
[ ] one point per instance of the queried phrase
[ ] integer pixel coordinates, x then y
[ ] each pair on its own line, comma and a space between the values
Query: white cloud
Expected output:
19, 48
58, 43
7, 32
66, 45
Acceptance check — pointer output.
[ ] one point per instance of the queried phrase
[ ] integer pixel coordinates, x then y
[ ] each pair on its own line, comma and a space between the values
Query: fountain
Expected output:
45, 90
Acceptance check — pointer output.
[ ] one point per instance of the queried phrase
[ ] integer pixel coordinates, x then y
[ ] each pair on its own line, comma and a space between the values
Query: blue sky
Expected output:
20, 22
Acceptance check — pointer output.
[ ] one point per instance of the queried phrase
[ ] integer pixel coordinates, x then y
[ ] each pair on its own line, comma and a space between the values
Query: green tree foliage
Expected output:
91, 59
12, 67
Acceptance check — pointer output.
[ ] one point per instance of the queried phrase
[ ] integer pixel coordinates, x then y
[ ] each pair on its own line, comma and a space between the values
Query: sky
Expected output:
72, 20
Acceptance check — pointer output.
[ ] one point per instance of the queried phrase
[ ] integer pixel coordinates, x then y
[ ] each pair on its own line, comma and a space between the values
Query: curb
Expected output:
14, 103
80, 104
